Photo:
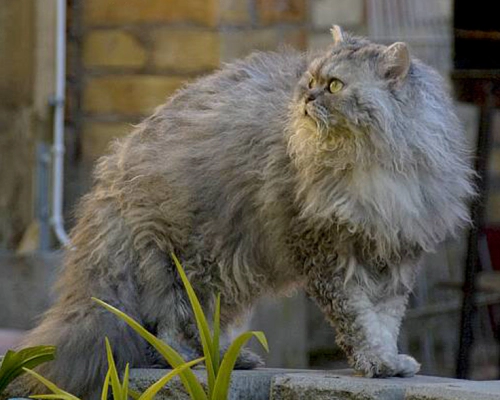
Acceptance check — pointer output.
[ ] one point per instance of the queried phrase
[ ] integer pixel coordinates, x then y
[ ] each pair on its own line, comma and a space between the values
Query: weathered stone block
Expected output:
493, 208
495, 162
283, 384
235, 12
276, 11
296, 38
327, 387
245, 385
25, 287
129, 94
320, 41
239, 44
458, 390
325, 13
186, 49
97, 136
343, 385
111, 12
113, 48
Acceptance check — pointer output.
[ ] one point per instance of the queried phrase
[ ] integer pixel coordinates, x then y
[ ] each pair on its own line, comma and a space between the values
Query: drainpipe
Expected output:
57, 218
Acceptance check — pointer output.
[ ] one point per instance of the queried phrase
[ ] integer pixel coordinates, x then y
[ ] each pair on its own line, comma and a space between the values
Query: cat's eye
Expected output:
335, 85
311, 83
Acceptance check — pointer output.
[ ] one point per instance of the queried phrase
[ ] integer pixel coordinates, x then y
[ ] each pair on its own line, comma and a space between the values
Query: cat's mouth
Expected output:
320, 115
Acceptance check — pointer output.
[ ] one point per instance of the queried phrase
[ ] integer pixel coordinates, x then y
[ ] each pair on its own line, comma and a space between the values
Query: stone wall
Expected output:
26, 81
282, 384
350, 14
134, 56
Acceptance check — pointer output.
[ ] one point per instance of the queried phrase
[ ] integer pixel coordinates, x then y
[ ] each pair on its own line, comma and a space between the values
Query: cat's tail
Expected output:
80, 366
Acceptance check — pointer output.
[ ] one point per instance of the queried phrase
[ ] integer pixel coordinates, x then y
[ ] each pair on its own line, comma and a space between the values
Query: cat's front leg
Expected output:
367, 317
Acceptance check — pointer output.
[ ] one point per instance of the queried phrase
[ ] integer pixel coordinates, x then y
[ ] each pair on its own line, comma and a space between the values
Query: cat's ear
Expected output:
395, 62
337, 34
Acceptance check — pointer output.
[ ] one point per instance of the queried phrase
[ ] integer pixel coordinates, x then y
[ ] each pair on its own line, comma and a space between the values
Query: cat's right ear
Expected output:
395, 62
337, 34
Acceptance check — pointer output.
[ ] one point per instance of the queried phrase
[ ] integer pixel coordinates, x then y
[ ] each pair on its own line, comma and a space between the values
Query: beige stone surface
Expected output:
113, 48
319, 41
111, 12
324, 13
276, 11
186, 49
241, 43
495, 162
97, 137
235, 12
296, 38
17, 47
128, 94
493, 208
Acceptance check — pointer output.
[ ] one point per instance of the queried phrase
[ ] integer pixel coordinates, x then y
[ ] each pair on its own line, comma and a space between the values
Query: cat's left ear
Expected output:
337, 34
395, 62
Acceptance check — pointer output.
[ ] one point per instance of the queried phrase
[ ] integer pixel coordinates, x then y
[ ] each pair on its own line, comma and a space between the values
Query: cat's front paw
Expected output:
375, 366
407, 366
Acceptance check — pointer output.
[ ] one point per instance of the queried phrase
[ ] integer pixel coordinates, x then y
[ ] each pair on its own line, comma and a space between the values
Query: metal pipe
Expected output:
59, 100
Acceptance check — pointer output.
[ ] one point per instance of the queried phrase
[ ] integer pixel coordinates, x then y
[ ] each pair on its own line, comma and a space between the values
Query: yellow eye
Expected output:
312, 82
335, 85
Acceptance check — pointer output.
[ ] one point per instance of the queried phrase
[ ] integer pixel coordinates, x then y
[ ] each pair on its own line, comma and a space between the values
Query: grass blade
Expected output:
135, 395
51, 385
30, 357
188, 378
201, 322
155, 388
125, 382
114, 378
105, 387
223, 380
216, 336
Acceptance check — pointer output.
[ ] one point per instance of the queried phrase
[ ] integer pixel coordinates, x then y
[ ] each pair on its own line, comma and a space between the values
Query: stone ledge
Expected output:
245, 385
285, 384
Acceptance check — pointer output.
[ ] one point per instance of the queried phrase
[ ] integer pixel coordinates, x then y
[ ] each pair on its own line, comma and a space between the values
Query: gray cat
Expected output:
333, 172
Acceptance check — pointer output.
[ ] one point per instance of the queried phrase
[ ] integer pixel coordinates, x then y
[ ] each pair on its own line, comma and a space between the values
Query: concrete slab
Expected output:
340, 385
286, 384
245, 385
9, 338
25, 287
459, 390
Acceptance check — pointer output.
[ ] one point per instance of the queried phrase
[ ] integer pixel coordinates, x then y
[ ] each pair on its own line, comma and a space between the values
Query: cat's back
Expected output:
218, 138
266, 76
251, 93
234, 114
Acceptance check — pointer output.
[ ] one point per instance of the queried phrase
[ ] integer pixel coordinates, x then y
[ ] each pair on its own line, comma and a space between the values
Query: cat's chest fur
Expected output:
371, 213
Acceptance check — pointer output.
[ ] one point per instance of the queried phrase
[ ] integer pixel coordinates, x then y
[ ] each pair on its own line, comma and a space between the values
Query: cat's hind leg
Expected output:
178, 329
188, 344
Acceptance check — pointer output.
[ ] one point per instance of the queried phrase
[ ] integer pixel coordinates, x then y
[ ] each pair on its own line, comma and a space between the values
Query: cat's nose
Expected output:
311, 96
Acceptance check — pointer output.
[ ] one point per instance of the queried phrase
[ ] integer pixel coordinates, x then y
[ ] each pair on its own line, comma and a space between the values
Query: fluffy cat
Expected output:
331, 171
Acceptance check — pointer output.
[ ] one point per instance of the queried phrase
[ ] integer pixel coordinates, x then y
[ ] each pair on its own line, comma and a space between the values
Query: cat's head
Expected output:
375, 137
360, 102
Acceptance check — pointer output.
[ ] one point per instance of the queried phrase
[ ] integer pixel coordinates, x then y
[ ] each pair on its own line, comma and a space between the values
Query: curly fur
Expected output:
257, 191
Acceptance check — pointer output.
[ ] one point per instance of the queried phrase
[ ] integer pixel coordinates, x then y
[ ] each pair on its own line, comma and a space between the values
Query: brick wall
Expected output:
350, 14
133, 56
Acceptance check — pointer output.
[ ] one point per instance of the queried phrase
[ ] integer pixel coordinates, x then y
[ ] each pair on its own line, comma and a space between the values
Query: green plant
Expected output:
218, 372
15, 361
120, 390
